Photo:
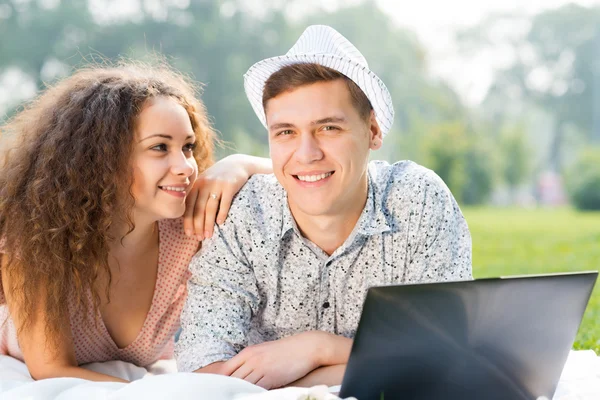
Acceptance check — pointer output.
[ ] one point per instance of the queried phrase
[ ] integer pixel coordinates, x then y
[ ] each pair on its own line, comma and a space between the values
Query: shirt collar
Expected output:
288, 222
372, 220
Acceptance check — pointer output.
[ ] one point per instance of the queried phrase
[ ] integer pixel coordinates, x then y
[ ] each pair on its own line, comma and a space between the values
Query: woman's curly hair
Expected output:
68, 178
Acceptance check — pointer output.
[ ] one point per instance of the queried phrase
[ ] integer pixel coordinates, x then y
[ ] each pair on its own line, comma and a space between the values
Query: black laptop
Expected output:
492, 339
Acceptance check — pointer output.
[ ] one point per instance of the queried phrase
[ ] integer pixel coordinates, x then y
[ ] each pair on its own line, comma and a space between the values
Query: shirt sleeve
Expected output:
222, 297
440, 241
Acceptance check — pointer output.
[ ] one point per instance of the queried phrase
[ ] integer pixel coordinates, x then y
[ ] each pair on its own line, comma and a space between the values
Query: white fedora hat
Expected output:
323, 45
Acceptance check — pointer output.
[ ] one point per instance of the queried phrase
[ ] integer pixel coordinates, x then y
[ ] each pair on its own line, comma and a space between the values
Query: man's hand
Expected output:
278, 363
330, 375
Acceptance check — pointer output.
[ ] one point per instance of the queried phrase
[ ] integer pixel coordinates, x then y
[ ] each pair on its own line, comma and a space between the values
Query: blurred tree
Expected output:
39, 36
556, 67
461, 157
215, 42
583, 181
515, 156
446, 147
197, 39
480, 171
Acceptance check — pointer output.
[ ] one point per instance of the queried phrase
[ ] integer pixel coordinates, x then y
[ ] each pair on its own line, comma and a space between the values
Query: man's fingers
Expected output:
231, 365
242, 372
264, 383
254, 377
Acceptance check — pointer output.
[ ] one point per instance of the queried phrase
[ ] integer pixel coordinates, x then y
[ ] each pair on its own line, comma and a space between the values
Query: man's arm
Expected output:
292, 360
331, 375
222, 296
214, 368
441, 250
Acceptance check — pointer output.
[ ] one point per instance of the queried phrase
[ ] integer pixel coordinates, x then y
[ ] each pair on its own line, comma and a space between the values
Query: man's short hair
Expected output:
301, 74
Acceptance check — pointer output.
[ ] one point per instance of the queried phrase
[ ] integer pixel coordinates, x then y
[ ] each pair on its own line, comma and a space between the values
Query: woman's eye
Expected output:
189, 147
159, 147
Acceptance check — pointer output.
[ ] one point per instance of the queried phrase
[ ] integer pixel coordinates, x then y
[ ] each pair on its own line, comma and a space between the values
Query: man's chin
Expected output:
312, 208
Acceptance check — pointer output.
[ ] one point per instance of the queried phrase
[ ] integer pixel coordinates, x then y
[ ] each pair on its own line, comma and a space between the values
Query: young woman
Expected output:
94, 256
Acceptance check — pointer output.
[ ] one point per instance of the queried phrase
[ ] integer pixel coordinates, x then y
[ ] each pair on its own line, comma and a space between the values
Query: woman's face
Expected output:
164, 167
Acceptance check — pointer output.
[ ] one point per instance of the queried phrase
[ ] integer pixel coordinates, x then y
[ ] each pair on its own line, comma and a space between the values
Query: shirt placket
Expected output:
326, 302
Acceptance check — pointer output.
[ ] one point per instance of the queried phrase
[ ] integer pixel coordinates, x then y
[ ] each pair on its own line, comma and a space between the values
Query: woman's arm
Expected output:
214, 190
44, 358
56, 371
252, 164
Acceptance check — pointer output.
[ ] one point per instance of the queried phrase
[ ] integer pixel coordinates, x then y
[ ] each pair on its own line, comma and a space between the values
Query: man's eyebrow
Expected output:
329, 120
162, 135
326, 120
281, 125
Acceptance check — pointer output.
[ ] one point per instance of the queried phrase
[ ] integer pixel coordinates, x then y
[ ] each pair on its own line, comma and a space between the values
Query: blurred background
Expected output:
500, 97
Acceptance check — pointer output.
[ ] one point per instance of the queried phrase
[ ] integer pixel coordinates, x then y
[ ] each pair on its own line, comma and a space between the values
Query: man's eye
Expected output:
286, 132
330, 128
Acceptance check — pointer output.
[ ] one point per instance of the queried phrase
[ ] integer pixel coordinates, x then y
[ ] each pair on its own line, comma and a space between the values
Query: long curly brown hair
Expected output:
67, 180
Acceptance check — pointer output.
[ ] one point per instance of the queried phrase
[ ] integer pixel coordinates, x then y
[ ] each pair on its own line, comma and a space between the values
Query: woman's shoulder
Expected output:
172, 238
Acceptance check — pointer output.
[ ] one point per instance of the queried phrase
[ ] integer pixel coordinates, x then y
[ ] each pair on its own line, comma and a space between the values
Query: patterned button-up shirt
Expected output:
258, 279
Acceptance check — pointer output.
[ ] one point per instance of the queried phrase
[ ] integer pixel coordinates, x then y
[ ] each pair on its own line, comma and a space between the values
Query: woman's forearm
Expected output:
77, 372
253, 164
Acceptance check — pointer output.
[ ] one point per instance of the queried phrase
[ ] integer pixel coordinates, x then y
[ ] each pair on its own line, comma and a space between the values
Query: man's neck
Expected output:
331, 231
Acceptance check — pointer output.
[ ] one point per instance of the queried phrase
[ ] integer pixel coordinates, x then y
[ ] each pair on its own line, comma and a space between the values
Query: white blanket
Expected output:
160, 381
580, 381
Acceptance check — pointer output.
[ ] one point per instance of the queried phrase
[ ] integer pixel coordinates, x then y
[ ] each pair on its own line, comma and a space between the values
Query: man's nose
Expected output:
309, 148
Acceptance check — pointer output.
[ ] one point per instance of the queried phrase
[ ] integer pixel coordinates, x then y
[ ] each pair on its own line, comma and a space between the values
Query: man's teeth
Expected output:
313, 178
173, 189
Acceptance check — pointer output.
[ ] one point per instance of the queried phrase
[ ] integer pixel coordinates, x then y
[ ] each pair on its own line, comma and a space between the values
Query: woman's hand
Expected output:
213, 192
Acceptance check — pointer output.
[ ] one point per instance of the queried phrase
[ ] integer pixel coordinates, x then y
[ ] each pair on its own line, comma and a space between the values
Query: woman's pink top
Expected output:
156, 338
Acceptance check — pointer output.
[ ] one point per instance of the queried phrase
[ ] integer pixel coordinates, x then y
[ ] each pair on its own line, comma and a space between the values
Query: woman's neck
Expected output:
143, 236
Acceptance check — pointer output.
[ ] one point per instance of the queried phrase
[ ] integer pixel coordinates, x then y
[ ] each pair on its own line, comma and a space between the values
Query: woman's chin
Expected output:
173, 213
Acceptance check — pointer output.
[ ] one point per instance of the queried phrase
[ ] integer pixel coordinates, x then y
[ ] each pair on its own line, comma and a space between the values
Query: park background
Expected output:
501, 98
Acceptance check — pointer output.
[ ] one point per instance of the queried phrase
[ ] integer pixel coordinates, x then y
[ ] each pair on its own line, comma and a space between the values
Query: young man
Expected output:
276, 295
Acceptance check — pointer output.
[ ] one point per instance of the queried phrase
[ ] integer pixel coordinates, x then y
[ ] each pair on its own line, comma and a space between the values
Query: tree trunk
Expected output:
555, 154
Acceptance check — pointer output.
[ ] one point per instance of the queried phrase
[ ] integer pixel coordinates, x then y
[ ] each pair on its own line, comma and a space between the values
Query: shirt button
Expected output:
326, 304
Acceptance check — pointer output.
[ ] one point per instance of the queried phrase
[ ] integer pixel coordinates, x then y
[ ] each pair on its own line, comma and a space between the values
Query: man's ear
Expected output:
375, 136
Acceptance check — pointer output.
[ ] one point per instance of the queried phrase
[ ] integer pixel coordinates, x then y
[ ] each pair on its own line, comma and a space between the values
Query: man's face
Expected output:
320, 145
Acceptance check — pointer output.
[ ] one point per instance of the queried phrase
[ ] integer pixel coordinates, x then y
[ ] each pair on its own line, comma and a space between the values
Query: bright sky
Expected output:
436, 20
424, 15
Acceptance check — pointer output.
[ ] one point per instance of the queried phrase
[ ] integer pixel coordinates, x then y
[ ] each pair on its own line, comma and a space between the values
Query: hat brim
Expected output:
370, 84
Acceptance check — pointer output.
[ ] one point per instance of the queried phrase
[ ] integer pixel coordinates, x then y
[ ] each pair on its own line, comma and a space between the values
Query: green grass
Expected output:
523, 241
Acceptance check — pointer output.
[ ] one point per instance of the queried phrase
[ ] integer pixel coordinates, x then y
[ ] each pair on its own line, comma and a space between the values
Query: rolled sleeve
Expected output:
222, 297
